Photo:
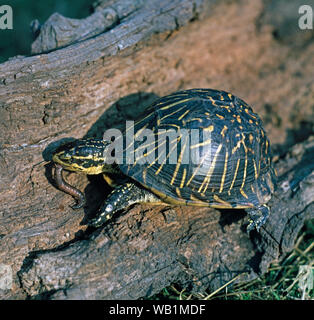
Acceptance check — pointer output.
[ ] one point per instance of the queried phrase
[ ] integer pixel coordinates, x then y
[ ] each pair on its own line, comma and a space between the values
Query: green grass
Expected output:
291, 279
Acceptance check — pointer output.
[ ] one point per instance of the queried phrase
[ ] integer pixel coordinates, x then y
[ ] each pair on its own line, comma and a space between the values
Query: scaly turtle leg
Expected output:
258, 217
121, 198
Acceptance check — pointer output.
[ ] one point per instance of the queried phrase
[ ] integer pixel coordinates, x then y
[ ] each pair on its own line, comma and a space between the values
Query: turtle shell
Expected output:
202, 147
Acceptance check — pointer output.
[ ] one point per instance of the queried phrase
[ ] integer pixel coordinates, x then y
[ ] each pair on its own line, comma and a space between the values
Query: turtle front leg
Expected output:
121, 198
258, 217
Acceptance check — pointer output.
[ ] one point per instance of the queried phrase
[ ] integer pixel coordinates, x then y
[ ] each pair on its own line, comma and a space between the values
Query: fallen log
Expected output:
147, 248
100, 81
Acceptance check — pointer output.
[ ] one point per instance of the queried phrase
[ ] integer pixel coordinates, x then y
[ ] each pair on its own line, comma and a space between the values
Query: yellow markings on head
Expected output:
230, 96
206, 180
251, 138
210, 128
222, 97
89, 157
94, 170
224, 173
238, 118
250, 121
235, 174
223, 130
266, 146
224, 203
220, 116
90, 167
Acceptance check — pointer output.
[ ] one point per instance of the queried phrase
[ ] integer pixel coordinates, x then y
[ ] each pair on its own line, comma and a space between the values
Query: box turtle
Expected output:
214, 153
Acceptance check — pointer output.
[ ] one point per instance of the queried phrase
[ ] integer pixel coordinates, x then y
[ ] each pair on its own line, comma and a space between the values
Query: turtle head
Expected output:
87, 156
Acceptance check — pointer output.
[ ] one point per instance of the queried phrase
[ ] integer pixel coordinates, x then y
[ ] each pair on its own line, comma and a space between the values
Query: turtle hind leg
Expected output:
121, 198
258, 217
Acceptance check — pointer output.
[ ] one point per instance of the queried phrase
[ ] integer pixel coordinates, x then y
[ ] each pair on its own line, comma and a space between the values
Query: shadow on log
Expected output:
153, 49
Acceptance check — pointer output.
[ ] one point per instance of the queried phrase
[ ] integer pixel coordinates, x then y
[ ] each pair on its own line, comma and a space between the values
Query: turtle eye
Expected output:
65, 156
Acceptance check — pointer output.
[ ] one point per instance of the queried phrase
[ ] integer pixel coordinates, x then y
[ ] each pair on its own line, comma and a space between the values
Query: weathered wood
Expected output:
59, 31
96, 84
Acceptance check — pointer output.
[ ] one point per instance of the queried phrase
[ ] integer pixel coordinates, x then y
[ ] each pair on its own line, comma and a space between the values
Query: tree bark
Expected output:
97, 83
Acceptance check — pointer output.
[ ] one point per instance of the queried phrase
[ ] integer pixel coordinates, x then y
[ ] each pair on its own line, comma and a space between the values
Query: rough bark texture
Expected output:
95, 84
